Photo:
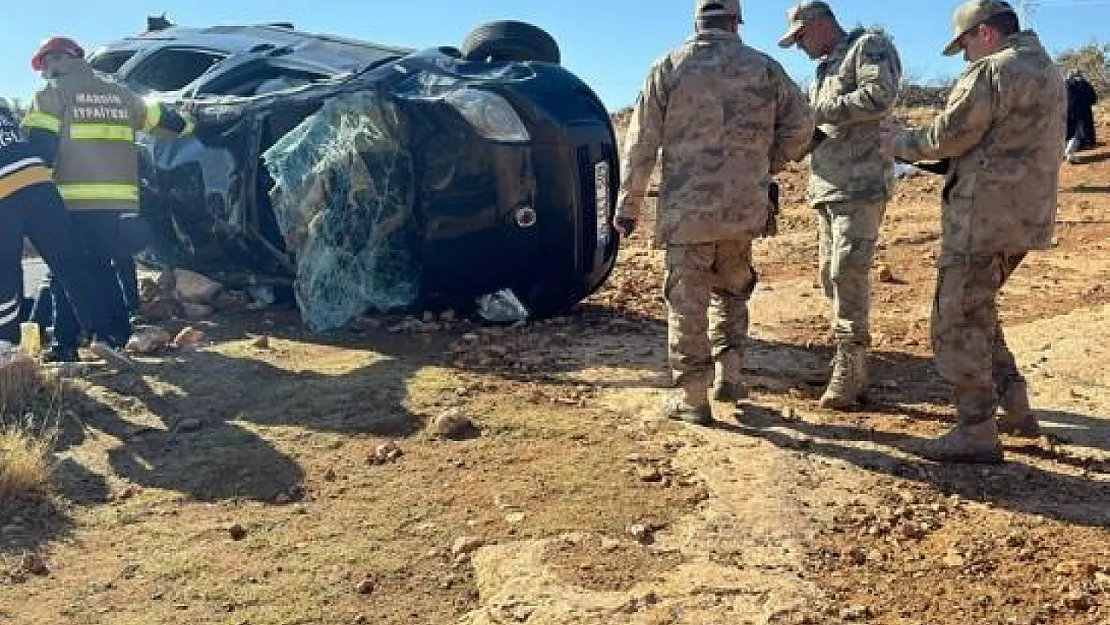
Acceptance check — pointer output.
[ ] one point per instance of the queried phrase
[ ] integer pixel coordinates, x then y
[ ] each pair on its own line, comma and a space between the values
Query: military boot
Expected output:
692, 405
848, 381
1017, 418
727, 386
697, 414
963, 443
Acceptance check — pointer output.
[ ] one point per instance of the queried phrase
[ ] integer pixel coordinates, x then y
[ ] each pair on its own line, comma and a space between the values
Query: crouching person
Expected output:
84, 126
31, 206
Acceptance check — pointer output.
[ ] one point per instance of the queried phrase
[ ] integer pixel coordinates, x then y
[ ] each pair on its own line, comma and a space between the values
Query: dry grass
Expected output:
19, 381
24, 463
29, 408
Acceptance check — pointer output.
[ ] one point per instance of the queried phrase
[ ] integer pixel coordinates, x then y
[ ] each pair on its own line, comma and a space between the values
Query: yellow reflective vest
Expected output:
95, 121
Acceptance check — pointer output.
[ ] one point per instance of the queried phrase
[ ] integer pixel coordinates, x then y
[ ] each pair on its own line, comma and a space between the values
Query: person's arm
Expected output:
156, 116
960, 127
642, 142
42, 125
878, 74
794, 131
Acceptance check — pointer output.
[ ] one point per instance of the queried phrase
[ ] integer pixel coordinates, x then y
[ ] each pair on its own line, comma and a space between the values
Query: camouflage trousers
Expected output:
707, 288
846, 236
968, 343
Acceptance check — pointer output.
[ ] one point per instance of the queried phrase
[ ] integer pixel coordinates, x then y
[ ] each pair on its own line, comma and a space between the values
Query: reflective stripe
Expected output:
13, 315
38, 119
22, 179
127, 192
16, 166
189, 127
101, 132
6, 319
153, 116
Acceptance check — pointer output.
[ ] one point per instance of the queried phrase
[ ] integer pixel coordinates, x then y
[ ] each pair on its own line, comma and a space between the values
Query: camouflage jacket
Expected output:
853, 91
725, 117
1002, 130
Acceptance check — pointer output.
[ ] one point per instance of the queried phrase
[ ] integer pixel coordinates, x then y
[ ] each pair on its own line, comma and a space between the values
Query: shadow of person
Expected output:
1014, 485
29, 521
76, 483
221, 462
1084, 188
1089, 158
206, 401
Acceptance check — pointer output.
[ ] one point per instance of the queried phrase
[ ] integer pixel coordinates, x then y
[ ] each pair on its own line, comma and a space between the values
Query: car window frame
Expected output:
235, 63
129, 54
136, 65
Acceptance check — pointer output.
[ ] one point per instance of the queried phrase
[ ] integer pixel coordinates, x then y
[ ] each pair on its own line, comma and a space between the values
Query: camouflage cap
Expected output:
799, 16
969, 15
717, 8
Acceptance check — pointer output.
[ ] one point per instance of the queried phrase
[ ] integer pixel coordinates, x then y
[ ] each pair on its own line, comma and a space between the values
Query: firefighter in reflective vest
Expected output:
84, 126
31, 206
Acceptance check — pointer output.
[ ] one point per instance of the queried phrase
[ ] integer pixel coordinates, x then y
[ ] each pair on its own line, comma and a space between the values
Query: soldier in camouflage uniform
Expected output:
1001, 131
855, 87
726, 117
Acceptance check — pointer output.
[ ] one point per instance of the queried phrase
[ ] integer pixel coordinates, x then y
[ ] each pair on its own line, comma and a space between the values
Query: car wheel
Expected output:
548, 300
510, 41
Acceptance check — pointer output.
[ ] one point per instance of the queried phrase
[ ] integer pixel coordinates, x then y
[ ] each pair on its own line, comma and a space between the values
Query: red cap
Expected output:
63, 45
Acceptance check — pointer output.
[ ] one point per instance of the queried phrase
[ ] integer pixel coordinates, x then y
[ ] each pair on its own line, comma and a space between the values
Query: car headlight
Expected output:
490, 114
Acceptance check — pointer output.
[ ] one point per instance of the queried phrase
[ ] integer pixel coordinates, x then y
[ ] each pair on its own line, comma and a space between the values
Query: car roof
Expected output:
338, 53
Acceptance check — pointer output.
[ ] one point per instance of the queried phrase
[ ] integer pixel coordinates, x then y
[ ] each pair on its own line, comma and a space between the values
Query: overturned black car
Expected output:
374, 177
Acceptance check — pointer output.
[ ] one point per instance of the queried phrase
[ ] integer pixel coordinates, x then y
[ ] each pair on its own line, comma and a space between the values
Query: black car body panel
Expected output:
530, 215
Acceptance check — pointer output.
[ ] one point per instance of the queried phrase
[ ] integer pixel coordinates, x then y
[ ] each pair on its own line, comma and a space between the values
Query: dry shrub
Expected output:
30, 405
19, 382
24, 463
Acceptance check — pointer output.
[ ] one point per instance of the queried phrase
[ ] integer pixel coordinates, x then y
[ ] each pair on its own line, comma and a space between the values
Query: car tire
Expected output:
551, 299
510, 40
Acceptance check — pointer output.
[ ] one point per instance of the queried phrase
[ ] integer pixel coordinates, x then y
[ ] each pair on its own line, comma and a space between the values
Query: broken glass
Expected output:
502, 307
343, 199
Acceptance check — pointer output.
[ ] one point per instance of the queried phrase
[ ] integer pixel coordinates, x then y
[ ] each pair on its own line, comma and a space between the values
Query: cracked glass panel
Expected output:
344, 204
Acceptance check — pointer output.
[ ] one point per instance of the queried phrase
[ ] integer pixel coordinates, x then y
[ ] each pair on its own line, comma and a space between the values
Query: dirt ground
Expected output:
305, 481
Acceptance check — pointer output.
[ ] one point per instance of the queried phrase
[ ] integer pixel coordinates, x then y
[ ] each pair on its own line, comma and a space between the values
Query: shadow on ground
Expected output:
206, 401
222, 395
1076, 499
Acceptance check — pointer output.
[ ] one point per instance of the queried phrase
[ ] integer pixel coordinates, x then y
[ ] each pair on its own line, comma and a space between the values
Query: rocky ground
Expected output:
435, 471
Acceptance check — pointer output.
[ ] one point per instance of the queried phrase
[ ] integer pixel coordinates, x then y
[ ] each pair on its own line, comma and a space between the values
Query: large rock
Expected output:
148, 340
194, 288
454, 423
188, 338
166, 281
227, 301
160, 309
194, 312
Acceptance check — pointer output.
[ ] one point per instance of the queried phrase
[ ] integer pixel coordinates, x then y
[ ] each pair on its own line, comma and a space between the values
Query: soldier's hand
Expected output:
888, 132
624, 225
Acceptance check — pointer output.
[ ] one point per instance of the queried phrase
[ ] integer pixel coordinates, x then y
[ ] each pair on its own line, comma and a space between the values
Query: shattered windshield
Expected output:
344, 204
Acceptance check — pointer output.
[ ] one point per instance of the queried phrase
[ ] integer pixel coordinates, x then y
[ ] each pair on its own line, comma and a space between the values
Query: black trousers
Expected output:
99, 235
1081, 125
38, 213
